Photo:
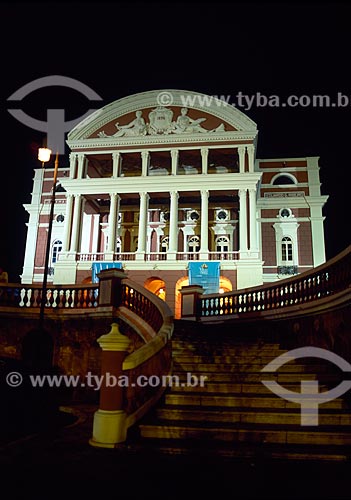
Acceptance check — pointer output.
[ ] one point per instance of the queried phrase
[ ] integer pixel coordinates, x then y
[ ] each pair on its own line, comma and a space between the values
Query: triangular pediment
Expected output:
145, 114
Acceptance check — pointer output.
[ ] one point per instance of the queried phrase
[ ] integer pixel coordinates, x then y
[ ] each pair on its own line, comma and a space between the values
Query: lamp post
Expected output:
44, 155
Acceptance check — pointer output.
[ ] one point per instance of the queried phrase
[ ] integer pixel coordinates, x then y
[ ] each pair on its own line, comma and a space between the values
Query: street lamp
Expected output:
44, 155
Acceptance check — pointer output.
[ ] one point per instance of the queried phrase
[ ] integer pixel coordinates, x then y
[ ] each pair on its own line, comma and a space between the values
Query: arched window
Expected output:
194, 244
55, 250
222, 244
283, 180
287, 249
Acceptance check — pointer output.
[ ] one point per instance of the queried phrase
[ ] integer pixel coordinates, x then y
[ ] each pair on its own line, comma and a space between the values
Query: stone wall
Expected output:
75, 347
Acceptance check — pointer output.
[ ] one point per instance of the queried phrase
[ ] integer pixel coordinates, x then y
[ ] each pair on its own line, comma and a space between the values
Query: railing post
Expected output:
110, 287
190, 301
109, 426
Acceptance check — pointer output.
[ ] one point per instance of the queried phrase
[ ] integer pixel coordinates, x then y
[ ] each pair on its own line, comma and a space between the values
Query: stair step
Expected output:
233, 414
209, 358
227, 388
248, 434
243, 415
248, 367
200, 449
258, 376
252, 401
203, 347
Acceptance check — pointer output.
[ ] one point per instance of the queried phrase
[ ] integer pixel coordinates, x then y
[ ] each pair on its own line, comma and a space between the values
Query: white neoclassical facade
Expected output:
153, 187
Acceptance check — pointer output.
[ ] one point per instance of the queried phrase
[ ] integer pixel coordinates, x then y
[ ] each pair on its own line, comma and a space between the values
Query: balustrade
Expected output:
332, 277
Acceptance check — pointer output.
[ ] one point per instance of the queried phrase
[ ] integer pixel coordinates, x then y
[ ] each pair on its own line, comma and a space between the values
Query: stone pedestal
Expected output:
109, 426
189, 301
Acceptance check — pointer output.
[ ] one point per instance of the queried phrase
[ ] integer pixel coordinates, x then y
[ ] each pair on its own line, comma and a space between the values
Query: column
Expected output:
242, 221
33, 224
204, 225
76, 222
68, 223
241, 151
81, 160
144, 202
317, 230
253, 220
112, 222
72, 165
316, 203
174, 156
204, 160
173, 226
145, 155
251, 155
116, 156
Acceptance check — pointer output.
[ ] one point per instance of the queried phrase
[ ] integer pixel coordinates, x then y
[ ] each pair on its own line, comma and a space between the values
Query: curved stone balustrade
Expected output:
327, 280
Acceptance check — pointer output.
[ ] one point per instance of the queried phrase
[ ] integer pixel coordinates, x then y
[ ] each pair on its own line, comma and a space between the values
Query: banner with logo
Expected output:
205, 274
101, 266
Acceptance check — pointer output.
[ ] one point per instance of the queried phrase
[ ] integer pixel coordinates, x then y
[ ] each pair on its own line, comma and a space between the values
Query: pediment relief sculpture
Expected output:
161, 123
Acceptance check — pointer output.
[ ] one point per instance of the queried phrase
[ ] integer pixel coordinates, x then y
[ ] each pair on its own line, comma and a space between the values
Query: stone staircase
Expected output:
232, 414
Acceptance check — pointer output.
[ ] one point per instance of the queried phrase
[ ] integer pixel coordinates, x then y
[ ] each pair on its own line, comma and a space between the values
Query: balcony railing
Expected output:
328, 279
157, 256
90, 257
188, 256
223, 255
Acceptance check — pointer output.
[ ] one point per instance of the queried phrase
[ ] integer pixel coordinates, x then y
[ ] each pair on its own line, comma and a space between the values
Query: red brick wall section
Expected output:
301, 212
269, 213
82, 275
305, 244
279, 164
41, 247
269, 254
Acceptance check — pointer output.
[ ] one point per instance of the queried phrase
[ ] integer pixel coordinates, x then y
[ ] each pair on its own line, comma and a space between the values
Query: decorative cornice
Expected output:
166, 183
145, 141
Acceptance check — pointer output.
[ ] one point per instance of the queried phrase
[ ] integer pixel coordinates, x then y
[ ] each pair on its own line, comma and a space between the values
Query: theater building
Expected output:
159, 190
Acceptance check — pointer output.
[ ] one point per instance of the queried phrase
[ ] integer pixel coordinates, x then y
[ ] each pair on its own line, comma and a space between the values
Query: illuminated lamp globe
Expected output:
44, 154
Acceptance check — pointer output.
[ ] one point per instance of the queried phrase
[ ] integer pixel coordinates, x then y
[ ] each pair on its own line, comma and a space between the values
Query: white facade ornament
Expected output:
160, 123
186, 125
136, 127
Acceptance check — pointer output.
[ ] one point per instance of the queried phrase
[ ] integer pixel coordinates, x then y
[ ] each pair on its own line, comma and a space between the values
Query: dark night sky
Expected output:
122, 48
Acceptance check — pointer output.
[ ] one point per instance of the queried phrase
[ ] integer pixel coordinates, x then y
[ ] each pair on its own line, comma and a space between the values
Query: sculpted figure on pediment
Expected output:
186, 125
136, 127
160, 123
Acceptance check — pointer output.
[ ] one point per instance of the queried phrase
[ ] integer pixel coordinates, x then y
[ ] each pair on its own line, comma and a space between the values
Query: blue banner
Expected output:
101, 266
205, 274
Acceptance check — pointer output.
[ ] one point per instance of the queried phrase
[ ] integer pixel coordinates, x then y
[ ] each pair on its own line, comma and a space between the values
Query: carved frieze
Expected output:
160, 122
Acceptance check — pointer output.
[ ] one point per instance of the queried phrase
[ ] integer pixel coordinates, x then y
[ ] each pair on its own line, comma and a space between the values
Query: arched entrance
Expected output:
184, 281
225, 285
156, 286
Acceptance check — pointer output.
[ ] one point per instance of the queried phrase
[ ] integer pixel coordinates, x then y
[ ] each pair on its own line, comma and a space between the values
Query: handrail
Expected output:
154, 357
328, 279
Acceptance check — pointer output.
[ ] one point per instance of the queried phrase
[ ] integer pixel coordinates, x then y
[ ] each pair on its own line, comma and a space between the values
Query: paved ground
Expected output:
61, 464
